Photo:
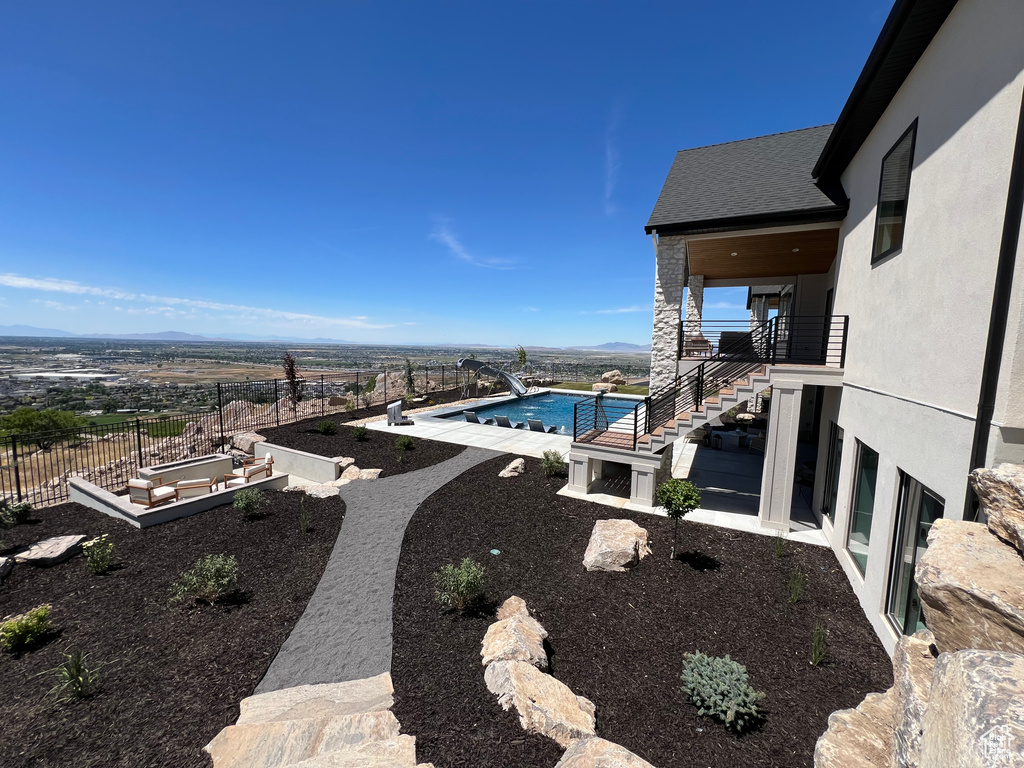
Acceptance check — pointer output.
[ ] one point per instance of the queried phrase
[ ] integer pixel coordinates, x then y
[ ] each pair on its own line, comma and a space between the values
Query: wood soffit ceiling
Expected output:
786, 253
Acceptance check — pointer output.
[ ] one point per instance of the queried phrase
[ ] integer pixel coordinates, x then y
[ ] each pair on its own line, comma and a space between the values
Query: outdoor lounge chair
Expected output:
253, 469
149, 493
536, 425
502, 421
395, 417
267, 460
696, 346
185, 489
472, 418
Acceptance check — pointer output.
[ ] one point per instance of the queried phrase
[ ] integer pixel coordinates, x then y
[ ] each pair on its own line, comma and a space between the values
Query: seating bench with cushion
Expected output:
149, 493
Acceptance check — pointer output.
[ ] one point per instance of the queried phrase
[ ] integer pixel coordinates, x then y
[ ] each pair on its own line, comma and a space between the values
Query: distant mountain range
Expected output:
617, 346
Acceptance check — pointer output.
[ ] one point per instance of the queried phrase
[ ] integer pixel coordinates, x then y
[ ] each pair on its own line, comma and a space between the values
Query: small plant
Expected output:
458, 586
796, 586
361, 433
99, 554
212, 578
780, 545
366, 396
678, 497
405, 443
15, 514
305, 517
250, 502
19, 633
410, 379
295, 383
819, 644
76, 678
552, 463
327, 427
350, 406
718, 687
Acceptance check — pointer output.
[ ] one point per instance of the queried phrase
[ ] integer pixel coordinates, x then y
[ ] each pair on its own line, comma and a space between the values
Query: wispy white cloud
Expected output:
618, 311
723, 305
612, 161
172, 304
444, 235
56, 306
530, 309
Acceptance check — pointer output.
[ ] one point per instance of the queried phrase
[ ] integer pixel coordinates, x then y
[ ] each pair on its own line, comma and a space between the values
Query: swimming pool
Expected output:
553, 409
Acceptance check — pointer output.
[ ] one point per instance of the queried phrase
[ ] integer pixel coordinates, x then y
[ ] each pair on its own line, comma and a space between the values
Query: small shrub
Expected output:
305, 516
76, 678
19, 633
350, 406
361, 433
250, 502
405, 443
796, 586
819, 644
780, 545
678, 497
212, 578
552, 463
718, 687
458, 586
15, 514
327, 427
99, 554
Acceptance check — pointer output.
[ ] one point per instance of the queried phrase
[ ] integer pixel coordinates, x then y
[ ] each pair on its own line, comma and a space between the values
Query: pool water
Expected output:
552, 409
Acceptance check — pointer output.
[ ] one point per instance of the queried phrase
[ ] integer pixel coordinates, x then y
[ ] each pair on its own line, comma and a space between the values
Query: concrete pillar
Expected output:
669, 279
779, 471
647, 474
581, 472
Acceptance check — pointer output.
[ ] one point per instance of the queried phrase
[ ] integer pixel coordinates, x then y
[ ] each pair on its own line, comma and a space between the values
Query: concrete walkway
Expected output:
345, 631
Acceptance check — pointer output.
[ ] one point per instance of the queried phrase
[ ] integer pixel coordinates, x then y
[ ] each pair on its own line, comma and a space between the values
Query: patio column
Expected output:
669, 279
758, 317
779, 472
694, 305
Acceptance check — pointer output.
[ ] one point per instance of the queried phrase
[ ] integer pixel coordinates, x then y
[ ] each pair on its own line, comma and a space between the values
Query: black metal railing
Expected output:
802, 340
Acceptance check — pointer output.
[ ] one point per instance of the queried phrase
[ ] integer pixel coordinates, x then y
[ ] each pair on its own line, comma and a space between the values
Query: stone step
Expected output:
374, 694
284, 742
398, 753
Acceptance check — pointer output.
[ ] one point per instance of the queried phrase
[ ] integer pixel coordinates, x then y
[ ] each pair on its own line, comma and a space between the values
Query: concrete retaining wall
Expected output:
318, 469
213, 467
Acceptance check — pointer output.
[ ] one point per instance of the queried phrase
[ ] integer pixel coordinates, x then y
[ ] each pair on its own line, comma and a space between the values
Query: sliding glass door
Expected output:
830, 497
859, 536
918, 509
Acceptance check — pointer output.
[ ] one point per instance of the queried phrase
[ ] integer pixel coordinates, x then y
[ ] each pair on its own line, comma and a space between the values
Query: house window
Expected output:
918, 509
893, 190
859, 535
835, 455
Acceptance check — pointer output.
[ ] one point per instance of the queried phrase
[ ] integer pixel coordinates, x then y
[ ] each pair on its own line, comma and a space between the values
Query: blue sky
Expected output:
380, 171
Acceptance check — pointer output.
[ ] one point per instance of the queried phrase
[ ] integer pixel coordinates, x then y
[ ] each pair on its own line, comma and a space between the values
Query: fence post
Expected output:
323, 397
138, 440
14, 461
384, 373
426, 379
442, 378
220, 415
277, 405
357, 389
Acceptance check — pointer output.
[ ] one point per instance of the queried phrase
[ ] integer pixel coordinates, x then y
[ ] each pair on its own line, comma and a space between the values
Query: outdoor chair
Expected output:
536, 425
395, 417
503, 421
472, 418
267, 460
149, 493
696, 346
201, 486
253, 469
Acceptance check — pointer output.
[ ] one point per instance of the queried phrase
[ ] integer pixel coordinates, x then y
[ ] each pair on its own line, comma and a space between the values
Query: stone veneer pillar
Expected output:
694, 305
669, 277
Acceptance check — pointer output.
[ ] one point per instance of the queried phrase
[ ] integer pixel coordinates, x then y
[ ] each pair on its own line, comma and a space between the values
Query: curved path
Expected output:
345, 631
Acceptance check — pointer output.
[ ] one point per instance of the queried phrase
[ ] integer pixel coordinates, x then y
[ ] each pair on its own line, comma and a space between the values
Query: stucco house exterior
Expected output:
886, 244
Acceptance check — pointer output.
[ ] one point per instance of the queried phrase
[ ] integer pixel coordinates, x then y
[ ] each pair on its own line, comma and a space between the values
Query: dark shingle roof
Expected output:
752, 182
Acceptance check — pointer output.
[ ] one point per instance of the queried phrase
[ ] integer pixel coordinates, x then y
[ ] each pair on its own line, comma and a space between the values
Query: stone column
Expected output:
694, 305
758, 317
779, 471
668, 305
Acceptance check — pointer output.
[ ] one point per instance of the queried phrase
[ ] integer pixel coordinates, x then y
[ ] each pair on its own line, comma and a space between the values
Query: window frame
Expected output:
833, 462
912, 131
854, 494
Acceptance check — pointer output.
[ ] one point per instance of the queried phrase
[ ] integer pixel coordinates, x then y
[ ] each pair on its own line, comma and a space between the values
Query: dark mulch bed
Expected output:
174, 673
619, 638
377, 451
439, 398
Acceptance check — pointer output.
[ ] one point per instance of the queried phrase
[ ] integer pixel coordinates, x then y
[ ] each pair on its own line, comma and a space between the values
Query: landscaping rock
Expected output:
322, 490
912, 665
1001, 493
397, 753
604, 388
369, 474
514, 469
351, 473
599, 753
613, 377
545, 705
615, 545
970, 587
858, 738
51, 551
975, 717
246, 441
343, 462
6, 566
338, 483
372, 694
514, 606
517, 638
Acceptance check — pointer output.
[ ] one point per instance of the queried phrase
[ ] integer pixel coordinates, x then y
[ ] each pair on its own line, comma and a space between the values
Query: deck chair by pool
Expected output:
502, 421
149, 493
472, 418
395, 417
536, 425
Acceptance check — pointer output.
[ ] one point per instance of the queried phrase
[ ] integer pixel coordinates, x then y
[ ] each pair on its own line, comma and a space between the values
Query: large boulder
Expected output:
545, 705
515, 468
51, 551
599, 753
613, 377
514, 606
858, 738
518, 638
246, 441
912, 664
1001, 493
615, 545
970, 587
975, 717
604, 388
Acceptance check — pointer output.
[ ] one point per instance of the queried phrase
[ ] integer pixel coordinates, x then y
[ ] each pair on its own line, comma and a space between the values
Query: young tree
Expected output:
521, 357
292, 377
410, 378
678, 497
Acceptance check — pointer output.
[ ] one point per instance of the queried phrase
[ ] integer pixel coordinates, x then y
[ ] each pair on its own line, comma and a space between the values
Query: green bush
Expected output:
15, 514
796, 586
327, 427
678, 497
780, 545
405, 443
819, 644
250, 502
99, 554
212, 578
552, 463
718, 687
18, 633
350, 406
459, 586
76, 679
39, 426
361, 433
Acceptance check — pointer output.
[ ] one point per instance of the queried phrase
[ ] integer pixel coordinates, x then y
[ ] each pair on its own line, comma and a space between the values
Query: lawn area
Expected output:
171, 674
619, 638
585, 386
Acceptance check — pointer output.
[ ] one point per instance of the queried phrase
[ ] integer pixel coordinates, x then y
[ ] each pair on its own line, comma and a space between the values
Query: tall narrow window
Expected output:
830, 497
859, 536
893, 191
918, 509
